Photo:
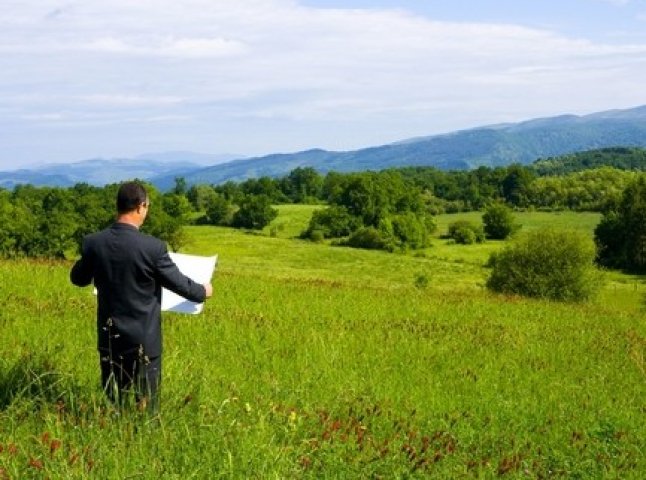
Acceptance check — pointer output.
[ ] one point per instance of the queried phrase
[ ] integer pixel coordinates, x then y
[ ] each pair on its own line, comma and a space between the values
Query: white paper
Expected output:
197, 268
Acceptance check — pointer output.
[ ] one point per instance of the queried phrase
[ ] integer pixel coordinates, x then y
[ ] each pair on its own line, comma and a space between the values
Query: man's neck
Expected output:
128, 220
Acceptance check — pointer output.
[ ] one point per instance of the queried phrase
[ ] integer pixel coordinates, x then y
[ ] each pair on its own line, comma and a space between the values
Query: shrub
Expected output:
421, 280
466, 232
316, 236
552, 264
411, 230
332, 222
499, 222
368, 237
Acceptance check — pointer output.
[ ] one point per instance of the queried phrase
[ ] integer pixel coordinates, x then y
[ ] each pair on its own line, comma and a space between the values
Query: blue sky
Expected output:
87, 78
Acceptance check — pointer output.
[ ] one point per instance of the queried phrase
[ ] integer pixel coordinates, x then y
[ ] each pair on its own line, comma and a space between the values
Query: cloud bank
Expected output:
269, 75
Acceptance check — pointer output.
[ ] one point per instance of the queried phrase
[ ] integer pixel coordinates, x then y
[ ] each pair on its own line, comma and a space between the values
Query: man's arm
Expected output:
82, 271
174, 280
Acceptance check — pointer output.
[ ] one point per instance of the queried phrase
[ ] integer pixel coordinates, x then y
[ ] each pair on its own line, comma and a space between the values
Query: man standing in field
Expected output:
129, 270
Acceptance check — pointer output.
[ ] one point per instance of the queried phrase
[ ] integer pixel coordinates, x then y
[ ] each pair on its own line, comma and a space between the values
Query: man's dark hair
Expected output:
129, 196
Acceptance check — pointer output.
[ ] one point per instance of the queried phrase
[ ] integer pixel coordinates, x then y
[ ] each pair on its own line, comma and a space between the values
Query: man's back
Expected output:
129, 270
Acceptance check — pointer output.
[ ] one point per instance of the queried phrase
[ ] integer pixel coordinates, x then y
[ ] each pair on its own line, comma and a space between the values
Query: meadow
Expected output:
314, 361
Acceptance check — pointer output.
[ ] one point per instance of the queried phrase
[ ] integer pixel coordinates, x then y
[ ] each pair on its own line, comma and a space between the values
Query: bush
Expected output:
466, 232
499, 222
421, 280
332, 222
551, 264
411, 230
368, 237
316, 236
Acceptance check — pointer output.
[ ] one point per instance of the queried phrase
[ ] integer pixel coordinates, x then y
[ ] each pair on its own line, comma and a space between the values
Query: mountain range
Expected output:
492, 145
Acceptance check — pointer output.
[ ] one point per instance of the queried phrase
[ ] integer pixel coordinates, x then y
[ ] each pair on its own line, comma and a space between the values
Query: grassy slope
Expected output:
314, 361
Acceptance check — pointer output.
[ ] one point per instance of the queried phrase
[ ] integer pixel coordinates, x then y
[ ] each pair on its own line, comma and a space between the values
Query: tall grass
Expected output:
314, 361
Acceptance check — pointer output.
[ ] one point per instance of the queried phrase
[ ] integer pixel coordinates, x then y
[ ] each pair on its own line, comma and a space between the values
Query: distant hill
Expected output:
100, 171
495, 145
618, 157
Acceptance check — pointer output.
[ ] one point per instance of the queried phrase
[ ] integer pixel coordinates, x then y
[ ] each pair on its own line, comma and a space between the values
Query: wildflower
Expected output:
292, 417
54, 446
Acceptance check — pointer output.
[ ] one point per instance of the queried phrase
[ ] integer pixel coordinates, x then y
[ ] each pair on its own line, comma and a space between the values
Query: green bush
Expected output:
316, 236
551, 264
368, 237
466, 232
499, 222
332, 222
412, 230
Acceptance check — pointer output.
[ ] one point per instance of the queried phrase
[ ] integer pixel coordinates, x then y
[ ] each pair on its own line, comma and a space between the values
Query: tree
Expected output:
15, 226
499, 222
218, 210
200, 196
303, 185
255, 212
263, 186
177, 206
160, 223
516, 184
333, 186
180, 186
621, 234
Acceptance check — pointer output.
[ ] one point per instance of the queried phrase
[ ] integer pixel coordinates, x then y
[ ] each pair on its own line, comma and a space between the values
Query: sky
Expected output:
83, 79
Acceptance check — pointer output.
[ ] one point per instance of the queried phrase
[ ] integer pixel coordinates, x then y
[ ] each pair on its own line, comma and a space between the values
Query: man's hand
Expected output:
208, 288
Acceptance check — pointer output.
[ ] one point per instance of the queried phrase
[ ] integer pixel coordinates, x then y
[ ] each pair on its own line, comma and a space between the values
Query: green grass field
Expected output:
313, 361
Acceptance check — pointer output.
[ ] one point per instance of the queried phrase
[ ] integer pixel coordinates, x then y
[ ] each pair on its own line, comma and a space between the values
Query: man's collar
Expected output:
119, 224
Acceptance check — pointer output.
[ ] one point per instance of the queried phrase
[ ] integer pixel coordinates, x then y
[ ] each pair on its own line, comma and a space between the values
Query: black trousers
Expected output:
131, 375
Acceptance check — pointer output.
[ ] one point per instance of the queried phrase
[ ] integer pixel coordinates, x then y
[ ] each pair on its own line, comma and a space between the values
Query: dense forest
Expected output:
391, 209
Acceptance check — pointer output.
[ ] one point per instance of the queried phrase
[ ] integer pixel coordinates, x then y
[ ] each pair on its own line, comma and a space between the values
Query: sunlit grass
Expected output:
313, 361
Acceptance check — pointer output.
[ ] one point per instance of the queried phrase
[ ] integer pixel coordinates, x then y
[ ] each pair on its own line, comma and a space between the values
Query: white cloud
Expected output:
172, 47
220, 60
129, 100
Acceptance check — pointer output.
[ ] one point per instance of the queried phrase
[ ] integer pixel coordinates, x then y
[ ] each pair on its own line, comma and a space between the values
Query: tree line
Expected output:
391, 209
585, 181
50, 222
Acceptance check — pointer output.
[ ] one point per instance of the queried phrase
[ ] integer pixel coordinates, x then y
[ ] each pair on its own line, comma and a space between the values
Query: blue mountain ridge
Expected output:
492, 145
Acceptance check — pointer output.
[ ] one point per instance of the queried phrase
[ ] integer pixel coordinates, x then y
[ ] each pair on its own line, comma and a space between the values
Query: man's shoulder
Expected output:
150, 241
126, 233
96, 236
145, 242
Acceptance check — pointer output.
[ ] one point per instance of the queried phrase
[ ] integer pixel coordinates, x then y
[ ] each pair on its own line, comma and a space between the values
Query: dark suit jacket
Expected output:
129, 270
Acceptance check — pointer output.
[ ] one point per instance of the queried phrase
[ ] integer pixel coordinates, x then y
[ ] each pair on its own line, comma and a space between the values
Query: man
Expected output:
129, 270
